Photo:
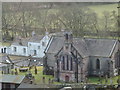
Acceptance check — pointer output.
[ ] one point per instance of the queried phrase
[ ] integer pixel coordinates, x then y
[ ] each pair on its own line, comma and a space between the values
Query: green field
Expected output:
99, 9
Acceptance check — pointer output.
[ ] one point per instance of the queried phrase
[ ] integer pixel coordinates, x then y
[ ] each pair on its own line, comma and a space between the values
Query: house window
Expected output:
38, 47
43, 43
71, 64
35, 52
24, 50
63, 61
15, 49
4, 50
67, 62
97, 64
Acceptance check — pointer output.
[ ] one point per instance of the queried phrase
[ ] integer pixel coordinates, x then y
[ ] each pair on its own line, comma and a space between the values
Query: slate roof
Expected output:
17, 79
36, 38
86, 47
11, 58
81, 47
100, 47
5, 59
25, 41
56, 44
33, 86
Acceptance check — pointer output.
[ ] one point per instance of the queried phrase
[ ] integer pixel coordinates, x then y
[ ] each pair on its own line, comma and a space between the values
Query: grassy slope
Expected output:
99, 9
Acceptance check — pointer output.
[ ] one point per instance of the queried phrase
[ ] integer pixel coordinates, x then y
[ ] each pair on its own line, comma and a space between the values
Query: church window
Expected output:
71, 64
117, 59
63, 59
97, 64
67, 62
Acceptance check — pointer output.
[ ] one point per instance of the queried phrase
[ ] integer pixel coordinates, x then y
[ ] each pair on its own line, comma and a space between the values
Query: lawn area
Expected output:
95, 80
39, 75
91, 80
99, 9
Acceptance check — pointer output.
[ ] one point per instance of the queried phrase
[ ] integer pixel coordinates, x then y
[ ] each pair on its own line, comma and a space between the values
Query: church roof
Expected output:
100, 47
56, 44
81, 47
85, 46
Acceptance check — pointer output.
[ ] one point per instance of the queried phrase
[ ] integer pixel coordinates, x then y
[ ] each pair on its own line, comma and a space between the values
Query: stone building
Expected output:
72, 59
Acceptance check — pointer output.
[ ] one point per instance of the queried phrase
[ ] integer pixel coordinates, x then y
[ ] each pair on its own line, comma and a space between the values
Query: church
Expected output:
72, 59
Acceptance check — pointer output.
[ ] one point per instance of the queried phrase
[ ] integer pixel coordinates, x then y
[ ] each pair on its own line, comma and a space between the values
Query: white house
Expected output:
37, 45
33, 46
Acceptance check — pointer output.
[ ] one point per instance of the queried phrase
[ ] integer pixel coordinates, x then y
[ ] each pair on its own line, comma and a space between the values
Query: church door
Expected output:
66, 78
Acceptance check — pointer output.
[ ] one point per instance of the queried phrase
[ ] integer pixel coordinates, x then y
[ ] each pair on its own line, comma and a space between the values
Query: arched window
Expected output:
119, 57
71, 64
63, 61
67, 62
2, 50
5, 50
97, 64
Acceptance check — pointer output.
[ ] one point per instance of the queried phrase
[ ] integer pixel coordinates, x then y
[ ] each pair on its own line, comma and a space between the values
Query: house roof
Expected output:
5, 59
86, 47
25, 41
17, 79
36, 38
33, 86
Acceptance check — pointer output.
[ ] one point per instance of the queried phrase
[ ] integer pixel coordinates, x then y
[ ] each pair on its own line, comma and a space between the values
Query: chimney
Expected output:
68, 37
33, 33
46, 33
20, 41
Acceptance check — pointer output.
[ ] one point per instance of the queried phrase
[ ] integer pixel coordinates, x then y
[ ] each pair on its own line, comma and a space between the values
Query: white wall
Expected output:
30, 48
34, 46
19, 50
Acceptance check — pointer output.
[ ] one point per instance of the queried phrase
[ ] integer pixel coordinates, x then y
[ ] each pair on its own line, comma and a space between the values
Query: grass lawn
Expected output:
39, 75
95, 80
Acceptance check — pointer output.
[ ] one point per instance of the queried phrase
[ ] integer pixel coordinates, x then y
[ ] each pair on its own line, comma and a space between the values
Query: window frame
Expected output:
24, 50
98, 64
15, 49
35, 52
